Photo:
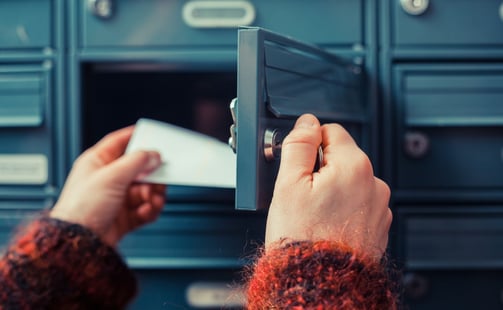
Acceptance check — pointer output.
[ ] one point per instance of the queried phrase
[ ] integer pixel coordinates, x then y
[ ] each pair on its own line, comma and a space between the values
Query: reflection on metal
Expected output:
272, 144
501, 11
218, 14
204, 295
415, 7
233, 129
320, 160
101, 8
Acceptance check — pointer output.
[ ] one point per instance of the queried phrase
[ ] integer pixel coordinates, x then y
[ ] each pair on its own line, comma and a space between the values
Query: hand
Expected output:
342, 202
100, 192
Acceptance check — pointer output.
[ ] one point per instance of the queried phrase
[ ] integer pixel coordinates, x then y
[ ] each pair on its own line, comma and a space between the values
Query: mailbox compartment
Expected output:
446, 289
453, 23
200, 288
26, 24
26, 118
279, 79
450, 126
196, 235
451, 237
160, 23
451, 255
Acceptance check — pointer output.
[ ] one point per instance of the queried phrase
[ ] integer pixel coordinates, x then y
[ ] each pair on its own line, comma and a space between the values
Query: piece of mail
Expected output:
189, 158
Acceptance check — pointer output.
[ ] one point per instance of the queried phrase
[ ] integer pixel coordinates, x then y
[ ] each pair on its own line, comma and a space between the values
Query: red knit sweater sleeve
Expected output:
319, 275
58, 265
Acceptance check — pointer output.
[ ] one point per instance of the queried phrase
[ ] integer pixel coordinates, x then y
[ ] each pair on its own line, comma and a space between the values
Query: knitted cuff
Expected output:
55, 264
319, 275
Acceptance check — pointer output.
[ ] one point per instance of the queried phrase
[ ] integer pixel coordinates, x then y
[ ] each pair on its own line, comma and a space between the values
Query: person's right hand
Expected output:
342, 202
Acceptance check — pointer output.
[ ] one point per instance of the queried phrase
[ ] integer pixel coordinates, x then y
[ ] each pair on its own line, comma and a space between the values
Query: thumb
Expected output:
128, 167
299, 149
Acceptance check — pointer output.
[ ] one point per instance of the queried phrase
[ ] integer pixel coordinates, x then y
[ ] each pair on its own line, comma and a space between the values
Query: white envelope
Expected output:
189, 158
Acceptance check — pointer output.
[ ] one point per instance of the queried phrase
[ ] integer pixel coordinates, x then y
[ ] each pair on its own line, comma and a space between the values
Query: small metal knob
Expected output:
101, 8
415, 7
416, 144
415, 285
272, 144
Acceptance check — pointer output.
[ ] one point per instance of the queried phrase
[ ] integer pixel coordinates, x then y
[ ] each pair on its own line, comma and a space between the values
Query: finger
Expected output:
384, 192
128, 167
159, 188
148, 212
299, 149
113, 145
156, 193
334, 138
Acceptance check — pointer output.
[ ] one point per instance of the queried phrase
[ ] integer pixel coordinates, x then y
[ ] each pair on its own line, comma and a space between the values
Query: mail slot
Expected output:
453, 23
26, 125
160, 23
26, 24
450, 126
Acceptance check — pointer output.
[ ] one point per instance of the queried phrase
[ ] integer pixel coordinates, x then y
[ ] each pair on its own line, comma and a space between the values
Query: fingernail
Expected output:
304, 122
154, 161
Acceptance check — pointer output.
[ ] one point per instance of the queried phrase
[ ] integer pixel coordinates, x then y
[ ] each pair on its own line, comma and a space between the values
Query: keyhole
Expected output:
416, 144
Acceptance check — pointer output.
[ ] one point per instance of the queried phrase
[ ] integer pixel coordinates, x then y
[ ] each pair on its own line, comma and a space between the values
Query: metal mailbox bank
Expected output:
418, 83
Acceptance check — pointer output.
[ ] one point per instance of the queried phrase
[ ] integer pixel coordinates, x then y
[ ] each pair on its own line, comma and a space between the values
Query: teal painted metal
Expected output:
455, 23
407, 63
159, 23
26, 24
31, 66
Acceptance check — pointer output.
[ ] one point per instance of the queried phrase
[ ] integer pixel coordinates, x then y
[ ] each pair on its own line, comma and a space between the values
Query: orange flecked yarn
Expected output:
54, 264
319, 275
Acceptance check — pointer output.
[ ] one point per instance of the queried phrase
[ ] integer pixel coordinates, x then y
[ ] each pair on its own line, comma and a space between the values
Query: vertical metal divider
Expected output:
60, 95
73, 121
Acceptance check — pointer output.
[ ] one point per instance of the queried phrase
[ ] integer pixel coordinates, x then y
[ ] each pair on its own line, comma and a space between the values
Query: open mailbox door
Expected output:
280, 79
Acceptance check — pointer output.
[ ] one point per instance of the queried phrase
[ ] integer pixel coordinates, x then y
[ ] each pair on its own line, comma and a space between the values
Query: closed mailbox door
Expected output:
450, 127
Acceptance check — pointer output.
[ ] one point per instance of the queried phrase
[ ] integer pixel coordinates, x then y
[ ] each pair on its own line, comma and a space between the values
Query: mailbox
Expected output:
279, 79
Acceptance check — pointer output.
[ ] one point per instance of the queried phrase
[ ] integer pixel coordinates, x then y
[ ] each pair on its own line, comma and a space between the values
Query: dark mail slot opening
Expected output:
116, 95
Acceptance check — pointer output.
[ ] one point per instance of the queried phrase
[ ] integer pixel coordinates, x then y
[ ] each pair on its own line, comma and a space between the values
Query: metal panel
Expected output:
156, 23
271, 71
443, 289
25, 24
450, 127
26, 122
174, 289
437, 237
22, 98
195, 235
449, 23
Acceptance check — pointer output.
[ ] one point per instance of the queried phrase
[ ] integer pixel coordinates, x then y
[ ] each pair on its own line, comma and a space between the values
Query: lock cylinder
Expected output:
272, 144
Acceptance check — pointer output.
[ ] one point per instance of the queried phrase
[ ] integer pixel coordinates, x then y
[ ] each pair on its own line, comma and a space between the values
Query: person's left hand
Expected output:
100, 192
